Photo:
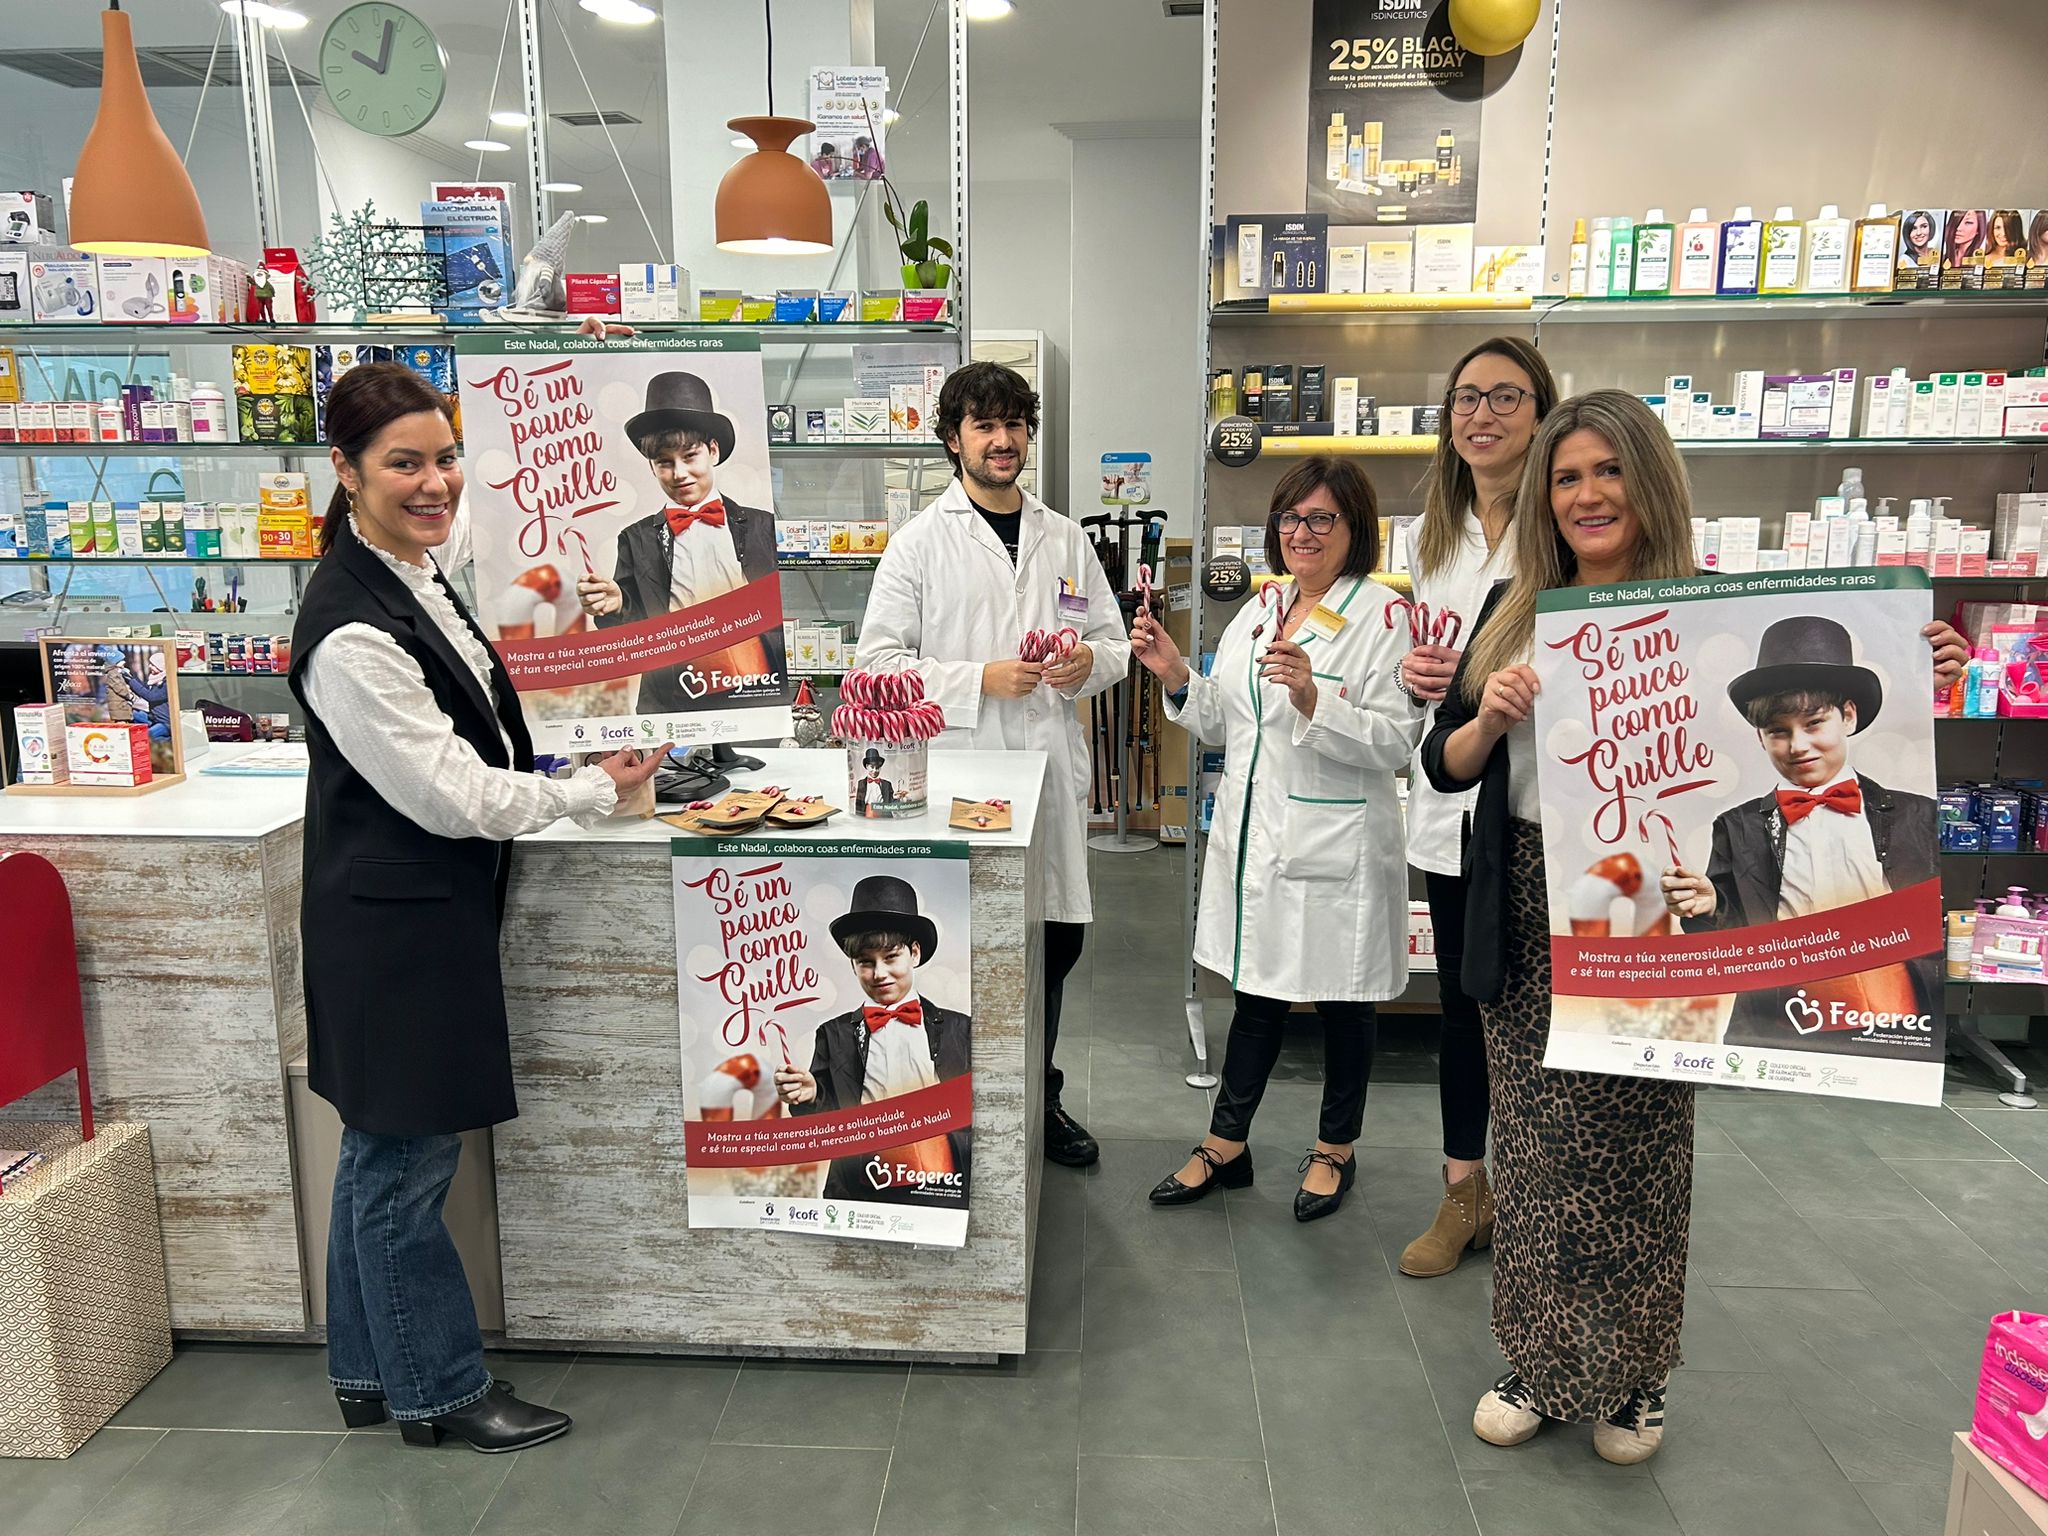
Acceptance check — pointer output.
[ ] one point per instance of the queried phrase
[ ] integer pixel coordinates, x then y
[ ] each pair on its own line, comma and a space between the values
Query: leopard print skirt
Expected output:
1593, 1190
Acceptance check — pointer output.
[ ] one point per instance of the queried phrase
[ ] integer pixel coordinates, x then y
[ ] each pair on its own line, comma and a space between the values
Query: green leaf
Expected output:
920, 219
889, 213
943, 247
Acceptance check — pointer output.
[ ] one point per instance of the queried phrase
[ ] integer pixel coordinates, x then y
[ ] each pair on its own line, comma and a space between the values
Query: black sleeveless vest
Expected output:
405, 1005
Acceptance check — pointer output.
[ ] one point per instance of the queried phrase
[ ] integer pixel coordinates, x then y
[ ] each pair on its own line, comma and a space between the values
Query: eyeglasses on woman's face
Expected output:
1318, 522
1503, 400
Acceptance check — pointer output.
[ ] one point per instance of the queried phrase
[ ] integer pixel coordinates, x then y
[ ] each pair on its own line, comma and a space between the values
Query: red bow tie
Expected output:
1795, 805
911, 1013
712, 512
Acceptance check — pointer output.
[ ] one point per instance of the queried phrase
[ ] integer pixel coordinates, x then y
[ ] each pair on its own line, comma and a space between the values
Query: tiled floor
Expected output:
1217, 1369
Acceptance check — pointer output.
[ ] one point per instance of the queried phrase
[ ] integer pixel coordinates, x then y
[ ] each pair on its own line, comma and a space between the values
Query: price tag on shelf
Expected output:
1234, 441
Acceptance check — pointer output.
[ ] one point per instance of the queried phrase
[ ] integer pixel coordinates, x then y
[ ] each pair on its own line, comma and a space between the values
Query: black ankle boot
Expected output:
497, 1421
1308, 1207
365, 1409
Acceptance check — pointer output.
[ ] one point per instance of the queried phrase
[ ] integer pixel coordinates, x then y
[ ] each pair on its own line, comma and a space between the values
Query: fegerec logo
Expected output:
1808, 1016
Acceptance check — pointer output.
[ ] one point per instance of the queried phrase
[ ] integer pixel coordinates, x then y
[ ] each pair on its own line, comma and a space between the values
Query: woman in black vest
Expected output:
422, 773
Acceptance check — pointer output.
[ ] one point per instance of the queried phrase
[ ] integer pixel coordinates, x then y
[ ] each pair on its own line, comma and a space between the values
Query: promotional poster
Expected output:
1393, 115
850, 108
1764, 744
826, 1003
123, 682
624, 529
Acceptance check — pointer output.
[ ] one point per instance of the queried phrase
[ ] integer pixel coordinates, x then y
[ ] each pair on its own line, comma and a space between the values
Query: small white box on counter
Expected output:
39, 733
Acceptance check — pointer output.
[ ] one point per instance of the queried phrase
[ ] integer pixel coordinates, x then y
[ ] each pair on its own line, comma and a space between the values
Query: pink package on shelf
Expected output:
2011, 1425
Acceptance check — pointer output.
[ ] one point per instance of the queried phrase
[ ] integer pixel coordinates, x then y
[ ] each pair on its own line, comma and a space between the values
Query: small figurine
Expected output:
261, 292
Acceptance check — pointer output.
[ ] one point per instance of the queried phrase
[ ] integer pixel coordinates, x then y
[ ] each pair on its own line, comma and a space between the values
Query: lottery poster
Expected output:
1740, 831
623, 521
826, 1001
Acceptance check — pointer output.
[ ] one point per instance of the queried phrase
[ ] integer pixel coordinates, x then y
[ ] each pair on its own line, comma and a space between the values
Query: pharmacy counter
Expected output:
186, 904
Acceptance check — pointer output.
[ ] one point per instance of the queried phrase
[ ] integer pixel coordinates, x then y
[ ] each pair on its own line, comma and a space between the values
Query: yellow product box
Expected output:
881, 304
757, 308
868, 538
284, 517
841, 539
10, 378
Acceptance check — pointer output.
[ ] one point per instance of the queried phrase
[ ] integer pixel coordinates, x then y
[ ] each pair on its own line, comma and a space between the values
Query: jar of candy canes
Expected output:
887, 724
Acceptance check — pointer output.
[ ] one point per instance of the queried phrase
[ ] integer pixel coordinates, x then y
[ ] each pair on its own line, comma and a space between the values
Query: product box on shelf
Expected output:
437, 366
837, 306
593, 293
717, 306
1507, 269
64, 286
274, 393
39, 733
25, 218
134, 290
926, 306
468, 242
1443, 258
867, 418
796, 306
1919, 263
757, 308
284, 517
107, 754
17, 305
1389, 266
330, 362
1276, 253
653, 291
880, 306
185, 284
1797, 405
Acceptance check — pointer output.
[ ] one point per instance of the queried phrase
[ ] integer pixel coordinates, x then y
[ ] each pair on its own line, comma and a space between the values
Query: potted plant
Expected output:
920, 249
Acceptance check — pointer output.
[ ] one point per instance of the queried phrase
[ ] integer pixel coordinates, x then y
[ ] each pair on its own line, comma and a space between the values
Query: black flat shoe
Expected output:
366, 1410
1308, 1207
1066, 1143
495, 1422
1235, 1174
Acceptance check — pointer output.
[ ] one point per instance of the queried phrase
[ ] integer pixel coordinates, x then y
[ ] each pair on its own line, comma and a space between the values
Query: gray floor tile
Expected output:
1017, 1425
1709, 1140
1876, 1401
1127, 1231
642, 1425
2020, 1133
1531, 1504
1166, 1367
1906, 1509
1913, 1130
1801, 1148
836, 1403
770, 1490
1743, 1233
2002, 1207
1135, 1091
1738, 1460
237, 1386
1711, 1340
202, 1483
1939, 1287
1142, 1496
373, 1484
49, 1497
1056, 1266
1341, 1439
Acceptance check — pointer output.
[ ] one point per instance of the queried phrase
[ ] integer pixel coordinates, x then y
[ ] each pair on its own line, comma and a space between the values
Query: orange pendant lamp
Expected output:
130, 195
771, 203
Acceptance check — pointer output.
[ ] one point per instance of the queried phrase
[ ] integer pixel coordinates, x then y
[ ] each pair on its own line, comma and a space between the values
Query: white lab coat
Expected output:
946, 600
1305, 883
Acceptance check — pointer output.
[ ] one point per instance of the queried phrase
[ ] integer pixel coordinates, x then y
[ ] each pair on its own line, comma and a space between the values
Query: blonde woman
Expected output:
1593, 1173
1495, 397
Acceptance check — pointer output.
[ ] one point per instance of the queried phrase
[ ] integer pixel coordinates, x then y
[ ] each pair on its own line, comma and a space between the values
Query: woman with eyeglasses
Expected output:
1496, 395
1296, 905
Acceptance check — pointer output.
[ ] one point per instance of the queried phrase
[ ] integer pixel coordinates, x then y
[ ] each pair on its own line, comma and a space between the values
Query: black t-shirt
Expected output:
1007, 526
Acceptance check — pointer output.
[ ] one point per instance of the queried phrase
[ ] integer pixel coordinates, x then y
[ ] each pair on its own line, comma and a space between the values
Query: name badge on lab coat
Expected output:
1073, 610
1323, 623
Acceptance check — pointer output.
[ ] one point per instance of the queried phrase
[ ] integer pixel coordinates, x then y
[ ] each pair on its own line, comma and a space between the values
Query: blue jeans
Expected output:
399, 1316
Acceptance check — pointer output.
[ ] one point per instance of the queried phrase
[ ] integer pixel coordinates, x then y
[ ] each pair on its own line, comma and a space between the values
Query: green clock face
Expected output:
381, 68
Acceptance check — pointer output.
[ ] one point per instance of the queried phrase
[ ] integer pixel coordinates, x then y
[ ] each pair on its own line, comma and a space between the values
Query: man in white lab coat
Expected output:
957, 590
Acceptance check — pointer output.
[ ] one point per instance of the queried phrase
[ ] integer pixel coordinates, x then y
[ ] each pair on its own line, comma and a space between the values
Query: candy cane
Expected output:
1145, 589
1670, 833
1417, 620
780, 1038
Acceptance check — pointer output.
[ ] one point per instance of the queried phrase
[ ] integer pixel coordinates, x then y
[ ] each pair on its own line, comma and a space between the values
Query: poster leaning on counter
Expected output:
826, 1001
1764, 746
621, 509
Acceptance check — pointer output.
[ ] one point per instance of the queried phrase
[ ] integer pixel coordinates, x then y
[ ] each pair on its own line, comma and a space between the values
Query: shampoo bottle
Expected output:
1741, 264
1653, 256
1621, 278
1699, 247
1920, 534
1827, 252
1575, 274
1875, 266
1600, 259
1783, 236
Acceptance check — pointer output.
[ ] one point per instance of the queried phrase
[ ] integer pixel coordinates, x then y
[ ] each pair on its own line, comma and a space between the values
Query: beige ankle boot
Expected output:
1464, 1220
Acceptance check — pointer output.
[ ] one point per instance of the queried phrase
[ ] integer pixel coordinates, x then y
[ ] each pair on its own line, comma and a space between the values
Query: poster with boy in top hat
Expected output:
1740, 831
863, 1130
629, 478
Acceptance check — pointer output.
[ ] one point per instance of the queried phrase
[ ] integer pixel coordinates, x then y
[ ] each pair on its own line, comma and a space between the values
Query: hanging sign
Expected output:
1393, 108
850, 108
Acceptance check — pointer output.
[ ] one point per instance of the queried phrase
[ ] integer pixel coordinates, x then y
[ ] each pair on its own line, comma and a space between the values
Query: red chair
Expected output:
42, 1015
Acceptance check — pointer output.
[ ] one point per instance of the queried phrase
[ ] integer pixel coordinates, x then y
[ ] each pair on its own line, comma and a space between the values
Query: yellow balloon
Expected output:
1492, 27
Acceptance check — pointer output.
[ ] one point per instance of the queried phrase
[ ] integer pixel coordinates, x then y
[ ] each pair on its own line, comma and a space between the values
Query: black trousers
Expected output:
1461, 1067
1256, 1034
1063, 943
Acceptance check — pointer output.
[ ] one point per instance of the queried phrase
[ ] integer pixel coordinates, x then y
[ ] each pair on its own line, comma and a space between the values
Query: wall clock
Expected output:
381, 68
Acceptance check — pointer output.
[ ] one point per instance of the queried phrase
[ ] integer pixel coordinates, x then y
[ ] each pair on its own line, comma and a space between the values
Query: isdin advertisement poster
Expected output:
622, 515
826, 999
1393, 114
1740, 831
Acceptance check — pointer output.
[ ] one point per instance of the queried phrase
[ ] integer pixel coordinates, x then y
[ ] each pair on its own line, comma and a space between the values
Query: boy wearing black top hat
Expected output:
896, 1043
698, 547
874, 792
1828, 838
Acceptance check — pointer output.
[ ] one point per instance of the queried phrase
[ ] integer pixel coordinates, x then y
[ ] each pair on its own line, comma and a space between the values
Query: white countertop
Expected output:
218, 807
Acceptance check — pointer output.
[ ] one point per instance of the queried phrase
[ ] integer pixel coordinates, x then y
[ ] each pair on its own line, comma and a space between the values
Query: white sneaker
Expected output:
1634, 1433
1504, 1416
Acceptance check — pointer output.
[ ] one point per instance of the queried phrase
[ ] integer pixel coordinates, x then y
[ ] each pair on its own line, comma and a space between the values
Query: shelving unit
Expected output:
848, 450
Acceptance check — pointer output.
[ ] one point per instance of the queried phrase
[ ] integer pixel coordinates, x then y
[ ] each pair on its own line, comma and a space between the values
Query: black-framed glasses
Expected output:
1318, 522
1503, 400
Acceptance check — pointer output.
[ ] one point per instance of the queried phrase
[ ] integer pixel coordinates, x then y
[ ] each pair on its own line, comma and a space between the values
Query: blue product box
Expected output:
796, 306
469, 242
